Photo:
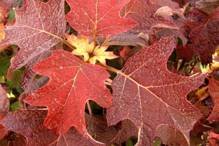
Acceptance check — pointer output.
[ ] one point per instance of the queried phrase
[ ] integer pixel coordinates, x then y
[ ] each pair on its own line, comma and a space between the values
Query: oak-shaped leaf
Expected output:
29, 124
72, 83
38, 27
151, 96
213, 89
98, 17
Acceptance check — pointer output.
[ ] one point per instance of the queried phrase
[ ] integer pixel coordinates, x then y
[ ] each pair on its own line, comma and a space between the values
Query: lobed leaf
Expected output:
38, 27
98, 17
71, 84
151, 96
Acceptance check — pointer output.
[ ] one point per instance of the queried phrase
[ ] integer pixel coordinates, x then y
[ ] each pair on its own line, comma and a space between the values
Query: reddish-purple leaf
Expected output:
151, 96
37, 28
29, 124
72, 83
98, 17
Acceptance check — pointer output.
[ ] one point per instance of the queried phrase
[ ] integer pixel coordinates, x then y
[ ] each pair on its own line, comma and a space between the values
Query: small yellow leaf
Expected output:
89, 51
205, 68
82, 46
100, 54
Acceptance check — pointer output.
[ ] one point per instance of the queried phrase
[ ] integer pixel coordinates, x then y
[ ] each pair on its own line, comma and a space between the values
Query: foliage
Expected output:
109, 72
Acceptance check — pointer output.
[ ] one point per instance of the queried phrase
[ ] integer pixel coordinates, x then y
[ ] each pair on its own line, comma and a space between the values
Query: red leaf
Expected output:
98, 17
37, 28
213, 88
72, 83
29, 124
151, 96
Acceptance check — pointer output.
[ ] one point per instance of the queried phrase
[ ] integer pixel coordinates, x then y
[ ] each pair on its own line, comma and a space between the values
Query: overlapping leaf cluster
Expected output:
68, 54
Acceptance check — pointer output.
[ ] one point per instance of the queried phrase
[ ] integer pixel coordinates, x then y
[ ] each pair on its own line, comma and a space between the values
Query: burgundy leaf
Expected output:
151, 96
38, 27
29, 124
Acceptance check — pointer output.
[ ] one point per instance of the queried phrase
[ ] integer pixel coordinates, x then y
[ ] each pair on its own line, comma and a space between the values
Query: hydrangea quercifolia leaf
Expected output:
72, 83
37, 28
29, 124
98, 17
151, 96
